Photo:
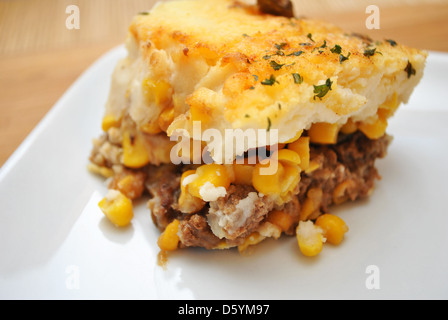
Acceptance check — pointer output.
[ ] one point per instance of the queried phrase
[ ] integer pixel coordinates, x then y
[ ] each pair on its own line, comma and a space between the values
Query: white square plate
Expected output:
56, 244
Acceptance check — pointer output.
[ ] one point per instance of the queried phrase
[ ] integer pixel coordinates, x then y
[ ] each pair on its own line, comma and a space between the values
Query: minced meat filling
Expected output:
346, 172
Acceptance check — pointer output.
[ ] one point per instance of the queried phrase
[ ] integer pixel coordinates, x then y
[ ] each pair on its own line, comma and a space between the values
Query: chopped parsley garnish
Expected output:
336, 49
267, 57
295, 53
391, 42
255, 77
280, 46
279, 106
321, 90
342, 58
324, 45
245, 35
310, 36
270, 81
269, 124
247, 116
276, 66
298, 79
409, 70
369, 52
306, 44
143, 13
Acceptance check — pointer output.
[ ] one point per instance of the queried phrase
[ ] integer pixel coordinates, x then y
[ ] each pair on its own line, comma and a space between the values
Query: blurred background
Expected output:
40, 57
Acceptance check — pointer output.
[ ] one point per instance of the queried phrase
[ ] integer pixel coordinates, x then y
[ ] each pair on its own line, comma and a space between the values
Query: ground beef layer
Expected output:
343, 172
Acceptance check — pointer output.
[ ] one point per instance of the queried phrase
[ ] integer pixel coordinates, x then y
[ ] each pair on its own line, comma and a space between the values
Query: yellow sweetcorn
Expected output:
151, 127
134, 150
302, 147
251, 240
117, 208
166, 118
169, 240
268, 184
349, 127
243, 174
156, 91
309, 238
110, 121
340, 191
376, 129
390, 106
297, 136
290, 180
187, 202
281, 219
333, 228
218, 175
103, 171
324, 133
312, 203
287, 156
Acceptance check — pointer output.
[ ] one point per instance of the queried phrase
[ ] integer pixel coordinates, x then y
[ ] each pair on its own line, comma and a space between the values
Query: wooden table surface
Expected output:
40, 57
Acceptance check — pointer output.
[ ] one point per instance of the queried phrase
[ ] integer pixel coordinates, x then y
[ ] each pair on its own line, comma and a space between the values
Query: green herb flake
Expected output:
143, 13
391, 42
276, 66
298, 79
310, 36
295, 53
410, 70
269, 124
342, 58
369, 52
279, 106
255, 77
306, 44
324, 45
245, 35
247, 116
321, 90
267, 57
281, 46
336, 49
270, 81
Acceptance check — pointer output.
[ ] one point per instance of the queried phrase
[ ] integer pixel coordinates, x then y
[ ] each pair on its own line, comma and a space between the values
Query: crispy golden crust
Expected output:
230, 66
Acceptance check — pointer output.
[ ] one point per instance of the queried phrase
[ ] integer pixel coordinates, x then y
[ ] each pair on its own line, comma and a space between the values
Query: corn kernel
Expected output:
309, 238
333, 228
187, 202
251, 240
302, 147
349, 127
151, 128
289, 181
169, 240
340, 192
281, 219
103, 171
166, 118
110, 121
243, 174
287, 156
390, 106
216, 174
117, 208
157, 91
324, 133
297, 136
311, 204
268, 184
134, 151
374, 130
